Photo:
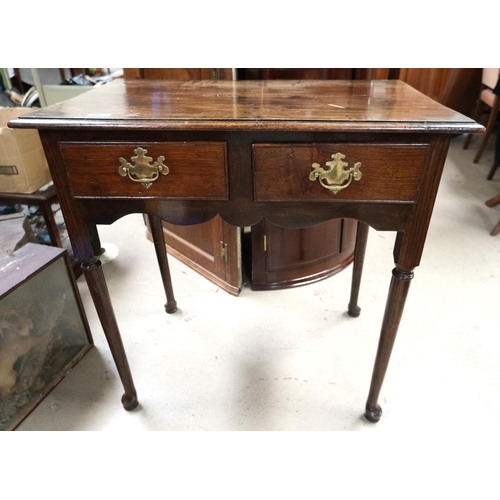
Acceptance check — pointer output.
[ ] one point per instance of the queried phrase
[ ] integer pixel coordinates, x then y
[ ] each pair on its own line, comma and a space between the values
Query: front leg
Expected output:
100, 295
398, 291
86, 247
407, 254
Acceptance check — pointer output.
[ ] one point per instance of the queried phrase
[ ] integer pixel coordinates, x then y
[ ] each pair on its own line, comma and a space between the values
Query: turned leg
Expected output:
161, 254
85, 250
357, 268
400, 283
100, 295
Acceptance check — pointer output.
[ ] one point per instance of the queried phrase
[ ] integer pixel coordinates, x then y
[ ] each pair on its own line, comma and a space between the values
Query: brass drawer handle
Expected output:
335, 177
142, 171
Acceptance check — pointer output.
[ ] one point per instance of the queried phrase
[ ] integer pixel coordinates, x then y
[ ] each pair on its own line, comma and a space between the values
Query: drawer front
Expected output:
196, 170
388, 172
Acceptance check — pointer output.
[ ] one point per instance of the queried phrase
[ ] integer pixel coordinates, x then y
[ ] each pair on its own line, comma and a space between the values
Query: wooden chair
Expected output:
488, 98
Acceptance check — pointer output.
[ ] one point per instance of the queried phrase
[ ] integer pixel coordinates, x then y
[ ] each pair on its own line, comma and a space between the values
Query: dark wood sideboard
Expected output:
296, 152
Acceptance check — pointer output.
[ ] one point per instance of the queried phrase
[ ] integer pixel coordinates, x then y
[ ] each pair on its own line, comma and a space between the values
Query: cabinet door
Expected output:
212, 249
284, 258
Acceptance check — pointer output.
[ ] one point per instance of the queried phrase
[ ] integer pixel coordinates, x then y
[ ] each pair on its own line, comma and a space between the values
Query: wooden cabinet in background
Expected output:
316, 73
178, 73
212, 249
456, 88
275, 257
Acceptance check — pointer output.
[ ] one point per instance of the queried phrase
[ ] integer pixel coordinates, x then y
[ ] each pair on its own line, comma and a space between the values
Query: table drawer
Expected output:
190, 170
388, 172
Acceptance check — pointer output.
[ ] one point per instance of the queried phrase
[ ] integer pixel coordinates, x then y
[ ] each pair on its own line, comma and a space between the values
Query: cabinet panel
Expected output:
284, 258
211, 249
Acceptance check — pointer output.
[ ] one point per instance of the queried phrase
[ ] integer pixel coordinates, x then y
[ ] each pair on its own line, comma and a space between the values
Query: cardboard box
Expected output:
23, 165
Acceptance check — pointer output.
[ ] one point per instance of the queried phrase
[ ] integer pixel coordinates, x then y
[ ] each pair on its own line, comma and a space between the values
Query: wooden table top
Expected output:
322, 105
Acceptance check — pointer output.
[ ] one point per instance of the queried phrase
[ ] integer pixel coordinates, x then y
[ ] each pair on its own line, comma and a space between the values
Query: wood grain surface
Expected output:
342, 105
389, 171
197, 170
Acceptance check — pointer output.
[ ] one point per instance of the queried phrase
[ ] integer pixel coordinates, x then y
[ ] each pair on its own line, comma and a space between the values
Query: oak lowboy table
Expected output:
297, 153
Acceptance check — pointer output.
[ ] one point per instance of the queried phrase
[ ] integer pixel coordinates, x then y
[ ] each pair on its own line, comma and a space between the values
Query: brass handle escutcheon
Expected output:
142, 171
336, 177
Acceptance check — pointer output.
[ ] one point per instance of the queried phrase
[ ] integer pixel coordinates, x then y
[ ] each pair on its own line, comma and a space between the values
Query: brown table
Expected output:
298, 153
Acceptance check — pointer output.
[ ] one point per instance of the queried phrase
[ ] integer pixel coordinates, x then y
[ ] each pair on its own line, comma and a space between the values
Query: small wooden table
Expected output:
296, 152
